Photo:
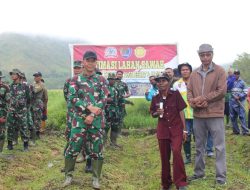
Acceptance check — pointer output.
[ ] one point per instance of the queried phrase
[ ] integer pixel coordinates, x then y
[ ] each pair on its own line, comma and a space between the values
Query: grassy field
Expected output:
136, 167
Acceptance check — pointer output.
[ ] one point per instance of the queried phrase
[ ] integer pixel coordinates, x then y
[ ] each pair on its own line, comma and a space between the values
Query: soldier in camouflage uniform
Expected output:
4, 99
88, 95
17, 110
124, 93
112, 111
39, 104
77, 69
29, 110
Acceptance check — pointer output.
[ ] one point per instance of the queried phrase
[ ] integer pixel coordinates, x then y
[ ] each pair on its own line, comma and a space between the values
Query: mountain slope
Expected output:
36, 53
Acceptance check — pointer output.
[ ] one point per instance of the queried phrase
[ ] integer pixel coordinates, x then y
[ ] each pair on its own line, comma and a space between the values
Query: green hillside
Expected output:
36, 53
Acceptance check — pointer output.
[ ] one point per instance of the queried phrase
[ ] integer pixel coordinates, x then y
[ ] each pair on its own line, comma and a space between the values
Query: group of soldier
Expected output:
95, 105
23, 106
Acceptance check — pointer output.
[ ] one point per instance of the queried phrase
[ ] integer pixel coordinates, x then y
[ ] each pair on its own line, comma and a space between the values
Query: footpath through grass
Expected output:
136, 167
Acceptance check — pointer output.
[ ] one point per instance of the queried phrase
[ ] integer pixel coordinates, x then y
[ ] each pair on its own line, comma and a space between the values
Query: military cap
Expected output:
22, 74
1, 75
205, 48
15, 71
237, 72
111, 76
37, 74
77, 64
89, 54
161, 76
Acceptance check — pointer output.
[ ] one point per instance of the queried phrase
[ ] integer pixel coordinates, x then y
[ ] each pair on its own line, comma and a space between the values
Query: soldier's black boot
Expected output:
10, 145
26, 146
88, 167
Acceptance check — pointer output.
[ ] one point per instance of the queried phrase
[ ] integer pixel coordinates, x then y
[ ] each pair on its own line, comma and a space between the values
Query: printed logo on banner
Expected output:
126, 52
140, 52
110, 52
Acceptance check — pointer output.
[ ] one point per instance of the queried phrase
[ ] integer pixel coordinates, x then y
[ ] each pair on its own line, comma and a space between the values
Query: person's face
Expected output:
14, 76
162, 84
169, 72
152, 80
77, 70
185, 72
119, 75
89, 64
111, 82
237, 76
206, 58
230, 73
37, 78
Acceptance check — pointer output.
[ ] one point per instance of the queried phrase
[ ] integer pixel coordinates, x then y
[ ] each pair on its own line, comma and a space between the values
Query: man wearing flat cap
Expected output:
206, 90
40, 101
237, 102
4, 100
17, 110
87, 93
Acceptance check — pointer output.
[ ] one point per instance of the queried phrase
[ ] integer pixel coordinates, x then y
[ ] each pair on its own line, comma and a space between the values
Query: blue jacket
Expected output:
151, 93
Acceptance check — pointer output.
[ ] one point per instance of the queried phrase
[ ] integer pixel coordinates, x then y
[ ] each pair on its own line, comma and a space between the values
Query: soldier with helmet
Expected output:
4, 99
17, 110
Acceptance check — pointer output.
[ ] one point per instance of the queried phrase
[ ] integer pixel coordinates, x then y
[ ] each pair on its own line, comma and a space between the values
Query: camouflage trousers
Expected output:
88, 137
69, 117
17, 122
2, 131
30, 120
37, 118
113, 120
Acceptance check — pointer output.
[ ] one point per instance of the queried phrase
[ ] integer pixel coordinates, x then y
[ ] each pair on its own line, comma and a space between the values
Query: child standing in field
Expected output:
168, 107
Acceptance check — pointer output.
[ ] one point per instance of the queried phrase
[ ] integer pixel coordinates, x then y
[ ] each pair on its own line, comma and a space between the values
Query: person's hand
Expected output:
146, 93
2, 119
184, 137
89, 119
94, 110
204, 104
160, 111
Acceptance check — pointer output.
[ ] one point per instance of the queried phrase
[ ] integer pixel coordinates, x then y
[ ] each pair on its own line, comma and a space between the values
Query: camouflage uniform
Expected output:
122, 88
112, 112
4, 98
85, 91
39, 104
17, 112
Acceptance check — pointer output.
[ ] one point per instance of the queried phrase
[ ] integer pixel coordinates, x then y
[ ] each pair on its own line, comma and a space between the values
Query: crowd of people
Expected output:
23, 107
189, 104
200, 115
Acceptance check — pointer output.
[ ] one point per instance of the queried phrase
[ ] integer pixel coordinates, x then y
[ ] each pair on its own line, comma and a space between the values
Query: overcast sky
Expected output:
222, 23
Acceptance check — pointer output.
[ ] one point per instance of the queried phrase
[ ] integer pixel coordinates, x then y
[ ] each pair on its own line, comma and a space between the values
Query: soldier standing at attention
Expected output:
112, 111
4, 98
40, 103
88, 94
17, 110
